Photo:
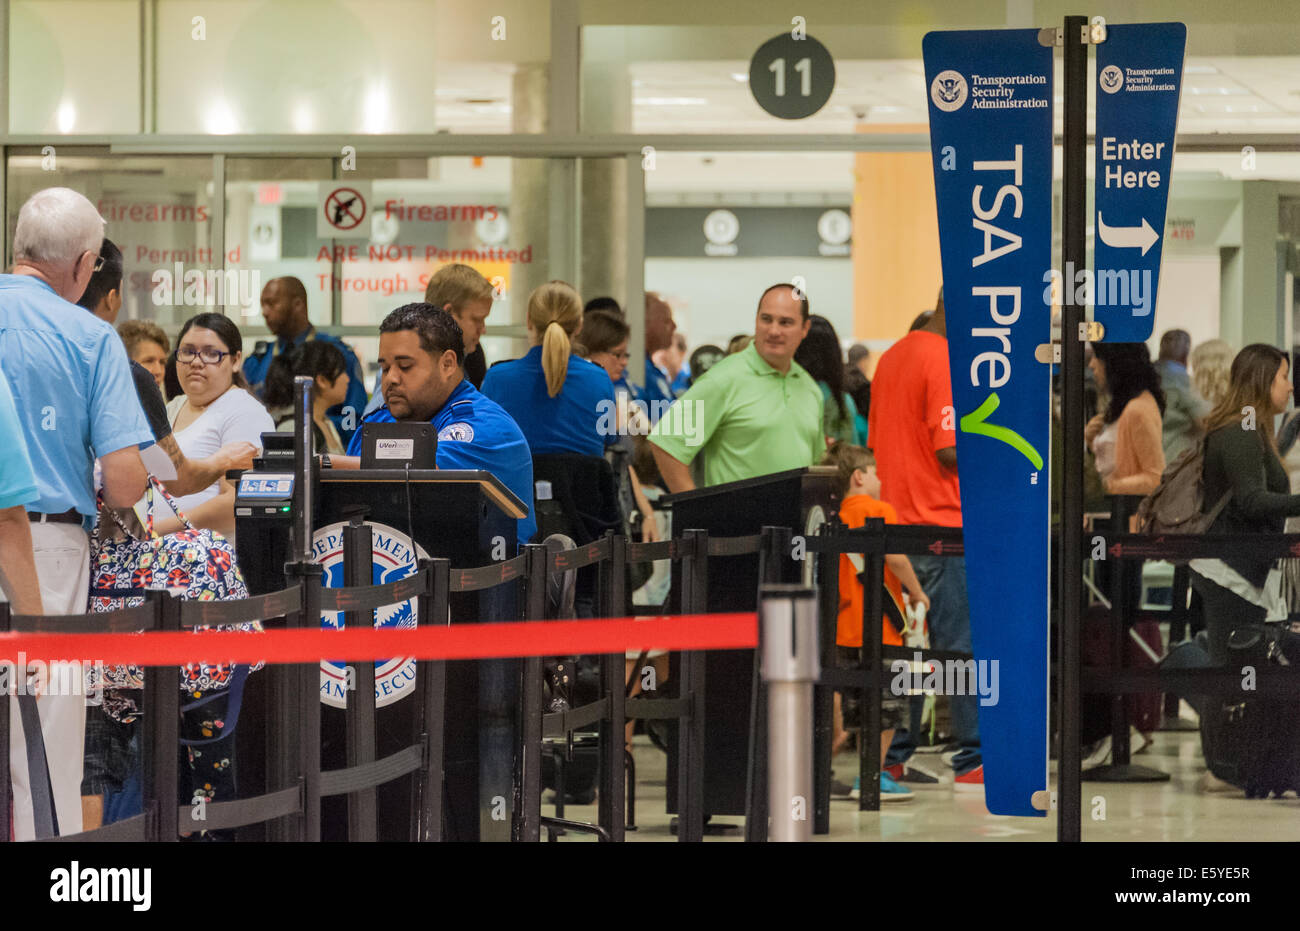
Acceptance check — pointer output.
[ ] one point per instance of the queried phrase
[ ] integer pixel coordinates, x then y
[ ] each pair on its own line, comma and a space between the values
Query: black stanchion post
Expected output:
162, 750
773, 560
873, 610
1119, 623
434, 610
526, 823
611, 810
358, 556
690, 757
6, 789
306, 700
828, 588
1073, 255
305, 572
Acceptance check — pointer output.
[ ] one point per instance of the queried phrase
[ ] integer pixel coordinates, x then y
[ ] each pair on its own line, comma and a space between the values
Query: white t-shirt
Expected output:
234, 416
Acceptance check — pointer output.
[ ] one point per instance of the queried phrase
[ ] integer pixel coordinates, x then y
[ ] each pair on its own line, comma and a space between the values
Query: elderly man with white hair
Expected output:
76, 402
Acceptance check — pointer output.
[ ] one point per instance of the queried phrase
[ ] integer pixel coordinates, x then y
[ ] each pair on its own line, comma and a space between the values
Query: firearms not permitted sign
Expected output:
792, 78
1139, 77
344, 210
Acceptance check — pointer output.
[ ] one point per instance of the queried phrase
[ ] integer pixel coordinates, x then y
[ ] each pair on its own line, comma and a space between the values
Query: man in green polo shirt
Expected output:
754, 413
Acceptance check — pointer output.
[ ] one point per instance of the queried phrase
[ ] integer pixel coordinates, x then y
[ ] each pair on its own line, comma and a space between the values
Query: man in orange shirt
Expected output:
913, 432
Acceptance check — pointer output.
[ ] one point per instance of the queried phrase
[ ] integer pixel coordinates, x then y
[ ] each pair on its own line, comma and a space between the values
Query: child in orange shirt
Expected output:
859, 487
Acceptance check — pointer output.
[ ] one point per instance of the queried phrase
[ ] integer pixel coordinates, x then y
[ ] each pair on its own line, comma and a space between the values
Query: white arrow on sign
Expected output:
1127, 237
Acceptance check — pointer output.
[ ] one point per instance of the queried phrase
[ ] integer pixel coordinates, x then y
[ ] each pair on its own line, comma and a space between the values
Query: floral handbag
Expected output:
199, 565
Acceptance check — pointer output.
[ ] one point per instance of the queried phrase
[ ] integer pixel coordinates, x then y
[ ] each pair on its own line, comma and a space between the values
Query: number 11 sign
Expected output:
792, 76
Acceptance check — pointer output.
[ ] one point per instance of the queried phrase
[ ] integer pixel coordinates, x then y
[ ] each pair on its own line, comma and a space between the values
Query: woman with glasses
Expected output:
214, 410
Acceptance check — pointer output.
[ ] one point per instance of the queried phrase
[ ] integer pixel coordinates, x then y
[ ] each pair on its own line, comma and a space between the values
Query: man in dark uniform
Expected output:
284, 305
422, 358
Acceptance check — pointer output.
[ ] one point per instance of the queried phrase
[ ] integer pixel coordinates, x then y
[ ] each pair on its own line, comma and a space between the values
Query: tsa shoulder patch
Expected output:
459, 432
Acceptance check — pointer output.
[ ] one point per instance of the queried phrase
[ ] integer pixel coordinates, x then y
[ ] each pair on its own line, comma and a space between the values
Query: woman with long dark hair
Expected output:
821, 356
1127, 438
1241, 459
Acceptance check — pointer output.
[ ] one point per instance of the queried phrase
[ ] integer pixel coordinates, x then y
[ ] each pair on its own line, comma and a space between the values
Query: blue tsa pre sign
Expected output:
1139, 75
392, 560
991, 135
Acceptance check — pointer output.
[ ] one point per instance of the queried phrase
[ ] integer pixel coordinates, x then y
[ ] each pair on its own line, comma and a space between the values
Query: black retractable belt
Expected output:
38, 769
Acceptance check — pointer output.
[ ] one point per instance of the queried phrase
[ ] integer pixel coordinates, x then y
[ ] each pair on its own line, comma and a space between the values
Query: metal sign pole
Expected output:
1073, 255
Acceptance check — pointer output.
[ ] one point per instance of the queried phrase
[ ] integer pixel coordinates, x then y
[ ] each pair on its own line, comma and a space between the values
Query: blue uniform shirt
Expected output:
475, 433
657, 389
257, 364
580, 419
17, 483
72, 388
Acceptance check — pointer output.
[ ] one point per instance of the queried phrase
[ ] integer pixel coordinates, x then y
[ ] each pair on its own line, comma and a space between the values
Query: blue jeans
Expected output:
943, 578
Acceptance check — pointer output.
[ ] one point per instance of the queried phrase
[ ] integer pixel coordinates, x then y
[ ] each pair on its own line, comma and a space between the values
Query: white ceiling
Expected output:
1233, 94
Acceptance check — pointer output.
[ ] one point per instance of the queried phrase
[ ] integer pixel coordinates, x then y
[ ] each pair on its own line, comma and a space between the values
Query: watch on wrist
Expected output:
325, 461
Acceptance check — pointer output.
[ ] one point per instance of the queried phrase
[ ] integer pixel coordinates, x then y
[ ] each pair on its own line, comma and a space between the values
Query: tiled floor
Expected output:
1172, 810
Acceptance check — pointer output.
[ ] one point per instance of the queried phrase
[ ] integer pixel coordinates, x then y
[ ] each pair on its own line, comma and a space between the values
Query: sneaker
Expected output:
1097, 754
890, 791
913, 775
970, 781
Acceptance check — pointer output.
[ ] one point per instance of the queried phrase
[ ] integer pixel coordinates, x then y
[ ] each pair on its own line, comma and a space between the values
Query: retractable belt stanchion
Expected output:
161, 758
358, 556
1125, 581
873, 609
788, 648
773, 558
6, 787
613, 603
432, 675
527, 821
828, 587
690, 758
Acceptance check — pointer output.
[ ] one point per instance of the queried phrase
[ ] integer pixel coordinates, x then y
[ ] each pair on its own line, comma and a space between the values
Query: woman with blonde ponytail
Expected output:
562, 402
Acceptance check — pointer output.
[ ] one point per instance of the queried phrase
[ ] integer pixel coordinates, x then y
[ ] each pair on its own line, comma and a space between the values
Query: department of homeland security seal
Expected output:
392, 560
459, 432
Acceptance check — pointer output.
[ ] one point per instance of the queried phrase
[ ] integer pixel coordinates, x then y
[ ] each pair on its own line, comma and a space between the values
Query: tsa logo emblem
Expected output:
456, 432
1111, 79
392, 560
948, 91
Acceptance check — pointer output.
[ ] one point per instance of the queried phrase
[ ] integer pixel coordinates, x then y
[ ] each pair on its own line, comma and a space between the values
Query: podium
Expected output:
463, 516
801, 499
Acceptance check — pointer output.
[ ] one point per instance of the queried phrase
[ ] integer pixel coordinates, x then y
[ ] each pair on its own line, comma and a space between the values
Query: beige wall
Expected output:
896, 270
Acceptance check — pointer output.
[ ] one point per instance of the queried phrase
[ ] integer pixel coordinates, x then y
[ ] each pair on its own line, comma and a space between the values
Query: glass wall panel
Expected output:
159, 211
369, 240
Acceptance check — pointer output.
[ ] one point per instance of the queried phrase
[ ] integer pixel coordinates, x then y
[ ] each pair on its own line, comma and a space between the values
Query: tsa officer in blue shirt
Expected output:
422, 357
284, 305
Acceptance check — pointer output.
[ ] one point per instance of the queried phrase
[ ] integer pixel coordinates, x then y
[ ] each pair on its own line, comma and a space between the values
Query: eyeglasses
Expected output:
208, 355
99, 264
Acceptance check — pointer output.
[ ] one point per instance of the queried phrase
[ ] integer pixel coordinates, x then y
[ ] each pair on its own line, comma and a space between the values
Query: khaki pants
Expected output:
63, 568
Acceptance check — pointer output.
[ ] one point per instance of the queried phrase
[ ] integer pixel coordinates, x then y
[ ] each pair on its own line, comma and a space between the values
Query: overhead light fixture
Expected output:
670, 101
66, 116
739, 78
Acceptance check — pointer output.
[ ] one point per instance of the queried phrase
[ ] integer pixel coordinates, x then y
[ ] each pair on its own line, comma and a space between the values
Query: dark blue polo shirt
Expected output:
475, 433
580, 419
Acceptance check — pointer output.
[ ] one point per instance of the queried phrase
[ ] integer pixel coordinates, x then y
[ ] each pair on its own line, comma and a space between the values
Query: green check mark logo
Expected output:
975, 422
